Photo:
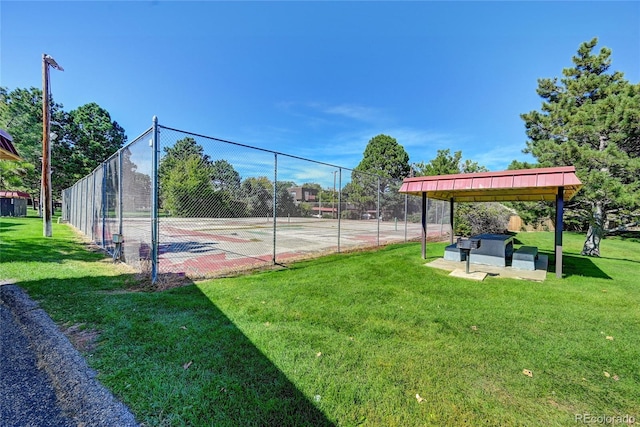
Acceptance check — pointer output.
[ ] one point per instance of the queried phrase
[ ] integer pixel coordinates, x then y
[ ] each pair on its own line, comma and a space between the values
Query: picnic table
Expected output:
495, 249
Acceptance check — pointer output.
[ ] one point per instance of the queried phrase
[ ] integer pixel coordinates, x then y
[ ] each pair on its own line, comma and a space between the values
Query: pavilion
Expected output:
7, 150
558, 184
12, 203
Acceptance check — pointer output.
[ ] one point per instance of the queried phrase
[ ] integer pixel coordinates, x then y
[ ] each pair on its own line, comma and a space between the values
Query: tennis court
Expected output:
226, 223
201, 247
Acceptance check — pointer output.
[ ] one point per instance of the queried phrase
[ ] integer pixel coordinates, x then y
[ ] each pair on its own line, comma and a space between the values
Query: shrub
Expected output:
477, 218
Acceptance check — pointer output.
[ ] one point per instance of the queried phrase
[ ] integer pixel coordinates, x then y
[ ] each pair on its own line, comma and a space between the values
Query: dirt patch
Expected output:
164, 281
82, 338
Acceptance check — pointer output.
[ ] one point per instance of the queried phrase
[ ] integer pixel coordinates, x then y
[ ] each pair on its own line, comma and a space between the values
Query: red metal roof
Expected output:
7, 150
510, 185
14, 194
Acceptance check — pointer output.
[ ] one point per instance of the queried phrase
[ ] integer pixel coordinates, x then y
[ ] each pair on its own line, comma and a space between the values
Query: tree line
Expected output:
194, 185
81, 139
589, 118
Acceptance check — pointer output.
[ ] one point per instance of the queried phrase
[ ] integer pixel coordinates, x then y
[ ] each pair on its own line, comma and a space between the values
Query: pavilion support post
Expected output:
424, 225
559, 227
451, 219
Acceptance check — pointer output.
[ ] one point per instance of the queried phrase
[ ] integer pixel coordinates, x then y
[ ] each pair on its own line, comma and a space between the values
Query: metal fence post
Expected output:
339, 205
120, 175
275, 201
378, 215
90, 213
440, 218
105, 205
74, 198
76, 208
451, 219
154, 202
406, 215
84, 208
88, 229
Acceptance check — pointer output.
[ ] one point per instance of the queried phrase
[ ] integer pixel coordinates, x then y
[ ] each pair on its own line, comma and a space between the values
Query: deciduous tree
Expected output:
532, 213
192, 185
225, 177
384, 164
470, 218
86, 137
258, 196
81, 139
21, 116
445, 163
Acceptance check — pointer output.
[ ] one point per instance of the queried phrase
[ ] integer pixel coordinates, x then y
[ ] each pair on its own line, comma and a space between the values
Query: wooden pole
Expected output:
45, 188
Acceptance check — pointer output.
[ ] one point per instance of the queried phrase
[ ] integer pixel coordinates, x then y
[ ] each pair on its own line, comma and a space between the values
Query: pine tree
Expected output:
590, 119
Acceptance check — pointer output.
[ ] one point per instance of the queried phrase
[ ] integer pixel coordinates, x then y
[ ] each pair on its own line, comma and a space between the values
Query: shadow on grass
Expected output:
633, 236
5, 226
22, 241
576, 266
45, 251
174, 357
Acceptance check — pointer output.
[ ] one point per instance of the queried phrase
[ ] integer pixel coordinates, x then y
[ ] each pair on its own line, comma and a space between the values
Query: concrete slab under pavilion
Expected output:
480, 271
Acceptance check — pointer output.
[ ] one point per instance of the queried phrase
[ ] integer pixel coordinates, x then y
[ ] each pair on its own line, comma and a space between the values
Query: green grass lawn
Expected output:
349, 339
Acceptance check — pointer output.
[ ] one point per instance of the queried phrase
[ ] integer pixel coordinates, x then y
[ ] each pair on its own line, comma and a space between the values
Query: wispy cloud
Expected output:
498, 158
323, 114
338, 134
420, 144
356, 112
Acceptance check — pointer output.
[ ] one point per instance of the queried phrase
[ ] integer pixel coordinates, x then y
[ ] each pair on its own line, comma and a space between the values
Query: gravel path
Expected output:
64, 391
27, 397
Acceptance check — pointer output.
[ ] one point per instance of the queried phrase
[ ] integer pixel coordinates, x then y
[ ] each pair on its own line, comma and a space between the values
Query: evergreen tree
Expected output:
590, 118
86, 137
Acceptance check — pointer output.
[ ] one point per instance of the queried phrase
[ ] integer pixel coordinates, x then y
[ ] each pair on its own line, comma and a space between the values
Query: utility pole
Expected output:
45, 188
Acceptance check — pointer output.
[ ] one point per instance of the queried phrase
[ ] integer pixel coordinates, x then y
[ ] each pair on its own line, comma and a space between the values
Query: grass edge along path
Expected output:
370, 338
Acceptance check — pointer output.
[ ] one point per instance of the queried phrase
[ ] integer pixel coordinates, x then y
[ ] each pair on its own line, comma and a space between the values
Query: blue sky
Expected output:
316, 79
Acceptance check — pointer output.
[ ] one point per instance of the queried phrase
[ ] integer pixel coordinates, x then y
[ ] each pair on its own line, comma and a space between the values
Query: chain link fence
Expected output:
177, 202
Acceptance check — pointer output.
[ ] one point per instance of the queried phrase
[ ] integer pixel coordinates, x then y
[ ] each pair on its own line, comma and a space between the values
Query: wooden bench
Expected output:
525, 257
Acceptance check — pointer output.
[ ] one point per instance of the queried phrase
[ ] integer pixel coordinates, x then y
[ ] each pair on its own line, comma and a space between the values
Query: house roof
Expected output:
7, 150
14, 194
511, 185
